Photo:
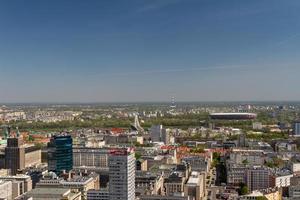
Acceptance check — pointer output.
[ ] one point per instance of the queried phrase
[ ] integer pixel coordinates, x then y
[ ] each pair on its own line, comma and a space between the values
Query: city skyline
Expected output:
144, 51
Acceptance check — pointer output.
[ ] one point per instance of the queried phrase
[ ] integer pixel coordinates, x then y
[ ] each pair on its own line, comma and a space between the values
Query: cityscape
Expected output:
149, 100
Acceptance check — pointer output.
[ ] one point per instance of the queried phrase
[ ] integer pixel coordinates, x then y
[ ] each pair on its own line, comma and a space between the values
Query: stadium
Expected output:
233, 116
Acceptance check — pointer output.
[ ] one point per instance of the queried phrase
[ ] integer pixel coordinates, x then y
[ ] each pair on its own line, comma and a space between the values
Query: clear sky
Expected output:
149, 50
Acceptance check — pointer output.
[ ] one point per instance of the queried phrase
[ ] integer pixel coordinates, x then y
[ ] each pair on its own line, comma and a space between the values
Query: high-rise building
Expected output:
60, 153
14, 155
296, 128
121, 164
156, 133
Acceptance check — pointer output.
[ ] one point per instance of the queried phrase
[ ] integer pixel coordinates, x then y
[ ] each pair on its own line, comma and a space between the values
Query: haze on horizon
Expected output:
149, 50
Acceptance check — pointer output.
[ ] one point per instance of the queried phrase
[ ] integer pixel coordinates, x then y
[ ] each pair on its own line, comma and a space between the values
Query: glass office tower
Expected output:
60, 153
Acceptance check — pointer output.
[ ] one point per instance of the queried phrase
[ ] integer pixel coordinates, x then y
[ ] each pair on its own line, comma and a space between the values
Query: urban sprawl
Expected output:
150, 151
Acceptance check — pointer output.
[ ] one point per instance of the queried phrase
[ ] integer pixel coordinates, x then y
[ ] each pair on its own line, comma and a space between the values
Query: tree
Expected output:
243, 189
245, 162
138, 155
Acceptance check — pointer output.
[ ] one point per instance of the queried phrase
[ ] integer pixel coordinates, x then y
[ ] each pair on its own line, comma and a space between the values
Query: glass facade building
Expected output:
60, 153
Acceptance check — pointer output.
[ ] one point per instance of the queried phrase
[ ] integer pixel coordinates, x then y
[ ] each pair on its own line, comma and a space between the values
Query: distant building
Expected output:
14, 155
257, 126
232, 116
156, 133
60, 153
296, 128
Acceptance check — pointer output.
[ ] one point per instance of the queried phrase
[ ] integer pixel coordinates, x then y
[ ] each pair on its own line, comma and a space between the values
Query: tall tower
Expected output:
60, 153
121, 163
14, 155
173, 105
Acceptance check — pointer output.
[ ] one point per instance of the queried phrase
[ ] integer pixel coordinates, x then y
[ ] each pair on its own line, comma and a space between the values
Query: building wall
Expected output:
257, 179
33, 158
121, 175
6, 190
296, 128
90, 157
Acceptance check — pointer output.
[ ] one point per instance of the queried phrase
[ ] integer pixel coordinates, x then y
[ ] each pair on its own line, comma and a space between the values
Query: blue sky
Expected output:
149, 50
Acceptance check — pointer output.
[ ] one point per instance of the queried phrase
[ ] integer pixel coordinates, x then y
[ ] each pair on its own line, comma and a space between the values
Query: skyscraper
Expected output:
14, 155
121, 164
60, 153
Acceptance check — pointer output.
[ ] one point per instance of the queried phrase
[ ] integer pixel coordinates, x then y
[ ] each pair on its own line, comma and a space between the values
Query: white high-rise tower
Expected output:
121, 164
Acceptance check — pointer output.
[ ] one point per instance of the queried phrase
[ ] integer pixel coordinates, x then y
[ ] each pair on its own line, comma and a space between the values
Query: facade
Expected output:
174, 184
33, 156
156, 133
51, 194
6, 190
165, 136
294, 192
102, 194
195, 187
90, 157
164, 198
121, 164
257, 179
20, 184
281, 180
235, 174
198, 163
14, 155
147, 183
296, 128
60, 153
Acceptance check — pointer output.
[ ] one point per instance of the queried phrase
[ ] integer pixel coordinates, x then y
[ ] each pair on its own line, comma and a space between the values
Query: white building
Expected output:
121, 164
6, 190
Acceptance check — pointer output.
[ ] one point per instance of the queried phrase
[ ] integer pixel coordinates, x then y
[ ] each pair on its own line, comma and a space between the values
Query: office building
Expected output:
60, 153
14, 155
121, 164
92, 158
296, 128
156, 133
102, 194
257, 178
